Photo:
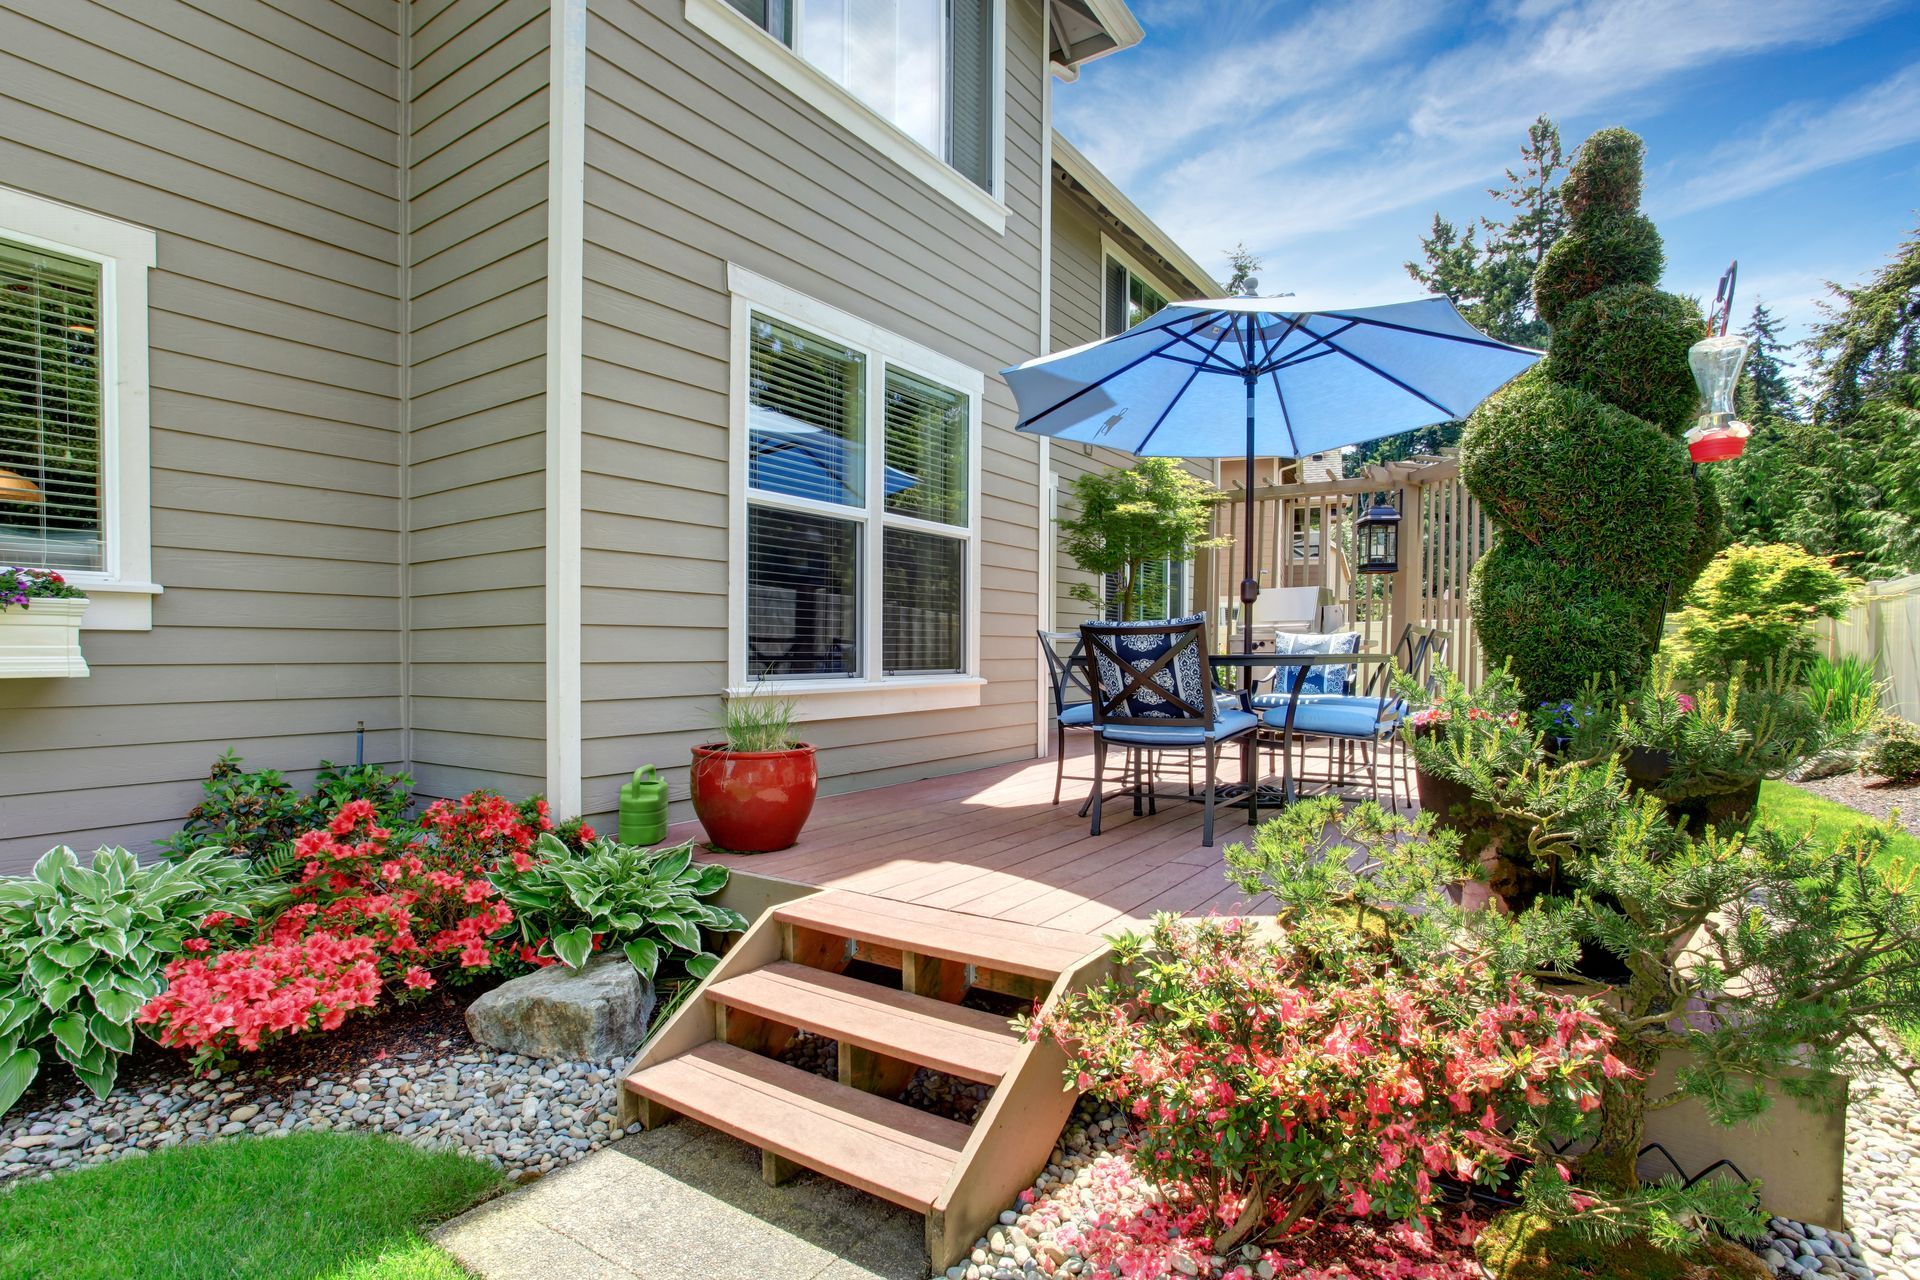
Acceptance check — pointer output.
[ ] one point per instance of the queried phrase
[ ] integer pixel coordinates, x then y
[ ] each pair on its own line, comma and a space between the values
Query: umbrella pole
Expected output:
1250, 584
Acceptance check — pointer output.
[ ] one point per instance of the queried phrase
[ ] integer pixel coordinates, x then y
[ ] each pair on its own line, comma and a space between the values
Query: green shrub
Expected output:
1607, 248
257, 813
1628, 346
82, 948
1896, 752
650, 903
1521, 1245
1756, 606
1601, 519
1845, 691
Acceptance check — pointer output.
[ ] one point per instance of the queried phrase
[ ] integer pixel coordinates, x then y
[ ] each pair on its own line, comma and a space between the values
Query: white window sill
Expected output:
791, 72
116, 606
846, 699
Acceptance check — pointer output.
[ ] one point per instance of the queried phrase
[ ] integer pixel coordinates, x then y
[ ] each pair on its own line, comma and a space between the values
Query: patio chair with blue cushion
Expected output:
1319, 682
1367, 719
1072, 694
1153, 692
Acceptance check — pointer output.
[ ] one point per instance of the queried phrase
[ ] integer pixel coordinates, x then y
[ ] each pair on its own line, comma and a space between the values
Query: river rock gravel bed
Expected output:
1883, 1174
524, 1115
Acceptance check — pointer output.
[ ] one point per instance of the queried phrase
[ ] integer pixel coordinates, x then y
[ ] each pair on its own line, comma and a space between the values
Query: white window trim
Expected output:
788, 69
871, 695
1109, 248
122, 592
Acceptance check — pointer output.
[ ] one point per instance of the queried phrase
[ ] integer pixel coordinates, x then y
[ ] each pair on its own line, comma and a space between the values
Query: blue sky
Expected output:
1325, 136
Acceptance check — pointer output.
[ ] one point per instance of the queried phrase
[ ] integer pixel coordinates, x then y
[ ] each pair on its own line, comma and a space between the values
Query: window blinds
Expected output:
970, 80
926, 446
50, 409
806, 415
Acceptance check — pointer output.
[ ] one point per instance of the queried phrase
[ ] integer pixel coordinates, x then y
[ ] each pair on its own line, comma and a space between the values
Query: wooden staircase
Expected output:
716, 1060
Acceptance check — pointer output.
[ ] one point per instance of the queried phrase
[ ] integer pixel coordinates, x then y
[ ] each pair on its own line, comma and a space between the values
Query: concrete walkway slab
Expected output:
685, 1203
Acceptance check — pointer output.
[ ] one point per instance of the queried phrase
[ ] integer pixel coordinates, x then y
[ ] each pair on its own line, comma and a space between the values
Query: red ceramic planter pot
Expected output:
754, 801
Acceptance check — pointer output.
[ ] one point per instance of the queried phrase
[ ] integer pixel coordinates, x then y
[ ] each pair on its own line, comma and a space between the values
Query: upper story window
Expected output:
50, 411
925, 66
73, 403
856, 533
1129, 298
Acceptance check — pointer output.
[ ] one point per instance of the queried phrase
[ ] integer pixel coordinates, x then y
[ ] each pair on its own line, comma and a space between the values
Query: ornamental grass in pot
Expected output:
754, 791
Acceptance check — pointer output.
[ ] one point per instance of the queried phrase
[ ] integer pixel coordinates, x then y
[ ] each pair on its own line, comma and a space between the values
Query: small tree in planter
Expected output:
1761, 962
1146, 514
754, 791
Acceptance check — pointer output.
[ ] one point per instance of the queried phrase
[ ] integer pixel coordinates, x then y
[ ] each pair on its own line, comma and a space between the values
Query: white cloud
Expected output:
1311, 127
1805, 138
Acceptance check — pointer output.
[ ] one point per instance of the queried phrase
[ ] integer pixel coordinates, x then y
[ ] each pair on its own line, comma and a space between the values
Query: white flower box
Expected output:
42, 640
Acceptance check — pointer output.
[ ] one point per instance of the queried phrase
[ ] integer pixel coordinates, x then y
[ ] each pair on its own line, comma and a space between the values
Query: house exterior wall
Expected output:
260, 144
476, 292
695, 160
1078, 269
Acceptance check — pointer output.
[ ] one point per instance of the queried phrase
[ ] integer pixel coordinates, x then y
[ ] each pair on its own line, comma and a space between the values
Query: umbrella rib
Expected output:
1198, 369
1495, 343
1286, 419
1318, 340
1378, 372
1058, 405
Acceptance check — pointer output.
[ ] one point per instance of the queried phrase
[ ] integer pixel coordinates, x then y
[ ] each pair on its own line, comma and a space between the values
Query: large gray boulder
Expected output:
598, 1012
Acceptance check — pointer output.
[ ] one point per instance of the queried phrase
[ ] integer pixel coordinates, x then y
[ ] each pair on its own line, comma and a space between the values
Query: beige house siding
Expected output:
1078, 273
259, 142
476, 293
695, 160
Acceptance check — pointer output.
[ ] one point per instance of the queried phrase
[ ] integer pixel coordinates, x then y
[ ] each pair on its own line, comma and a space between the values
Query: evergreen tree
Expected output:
1764, 393
1869, 341
1246, 267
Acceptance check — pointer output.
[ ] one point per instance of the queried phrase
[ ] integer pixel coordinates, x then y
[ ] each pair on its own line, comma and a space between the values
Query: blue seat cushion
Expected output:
1227, 724
1357, 718
1077, 717
1268, 701
1140, 644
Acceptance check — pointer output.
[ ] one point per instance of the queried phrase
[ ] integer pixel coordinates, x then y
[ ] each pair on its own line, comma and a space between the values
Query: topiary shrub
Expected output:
1628, 346
1578, 463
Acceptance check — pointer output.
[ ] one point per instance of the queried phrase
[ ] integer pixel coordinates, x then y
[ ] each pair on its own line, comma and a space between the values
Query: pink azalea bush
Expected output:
375, 913
1272, 1086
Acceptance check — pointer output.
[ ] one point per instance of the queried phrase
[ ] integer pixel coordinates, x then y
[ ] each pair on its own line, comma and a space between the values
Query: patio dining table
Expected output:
1302, 663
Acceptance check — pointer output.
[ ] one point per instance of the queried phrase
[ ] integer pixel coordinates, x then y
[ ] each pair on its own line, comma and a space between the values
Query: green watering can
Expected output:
643, 807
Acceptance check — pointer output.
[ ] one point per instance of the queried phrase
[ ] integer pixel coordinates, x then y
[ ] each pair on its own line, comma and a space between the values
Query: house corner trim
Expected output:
566, 216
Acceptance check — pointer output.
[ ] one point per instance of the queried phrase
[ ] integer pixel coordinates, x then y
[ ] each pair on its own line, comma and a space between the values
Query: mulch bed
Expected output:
432, 1025
1875, 797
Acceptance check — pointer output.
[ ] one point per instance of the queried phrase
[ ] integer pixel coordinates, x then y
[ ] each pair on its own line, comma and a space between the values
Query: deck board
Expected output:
991, 843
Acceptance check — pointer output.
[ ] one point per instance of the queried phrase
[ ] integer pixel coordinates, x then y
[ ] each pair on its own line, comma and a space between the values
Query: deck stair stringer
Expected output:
715, 1060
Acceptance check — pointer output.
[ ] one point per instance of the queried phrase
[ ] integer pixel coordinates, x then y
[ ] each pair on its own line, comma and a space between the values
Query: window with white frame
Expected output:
1129, 297
73, 402
1160, 593
858, 467
927, 67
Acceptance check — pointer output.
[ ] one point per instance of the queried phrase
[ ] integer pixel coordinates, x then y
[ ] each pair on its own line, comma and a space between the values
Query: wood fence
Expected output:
1304, 535
1884, 629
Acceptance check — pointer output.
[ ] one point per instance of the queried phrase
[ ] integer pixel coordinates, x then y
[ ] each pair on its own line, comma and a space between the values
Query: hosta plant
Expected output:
1271, 1081
649, 903
82, 947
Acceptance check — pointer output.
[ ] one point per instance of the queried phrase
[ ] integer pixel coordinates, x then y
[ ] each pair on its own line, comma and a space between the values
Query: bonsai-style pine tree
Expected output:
1579, 462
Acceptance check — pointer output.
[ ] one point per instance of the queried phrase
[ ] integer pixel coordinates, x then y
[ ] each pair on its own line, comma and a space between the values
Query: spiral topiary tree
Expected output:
1579, 463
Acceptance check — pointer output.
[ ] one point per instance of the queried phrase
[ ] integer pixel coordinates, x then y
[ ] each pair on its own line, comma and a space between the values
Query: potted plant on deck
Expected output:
40, 614
754, 791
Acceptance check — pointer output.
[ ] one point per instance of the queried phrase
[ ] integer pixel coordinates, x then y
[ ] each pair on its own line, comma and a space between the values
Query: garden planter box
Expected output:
42, 640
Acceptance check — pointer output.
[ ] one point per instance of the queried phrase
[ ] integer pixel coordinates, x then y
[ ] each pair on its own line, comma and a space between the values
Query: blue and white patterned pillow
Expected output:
1185, 677
1322, 679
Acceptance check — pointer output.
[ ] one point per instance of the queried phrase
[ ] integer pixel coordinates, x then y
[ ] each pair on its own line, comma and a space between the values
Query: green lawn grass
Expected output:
1788, 808
314, 1206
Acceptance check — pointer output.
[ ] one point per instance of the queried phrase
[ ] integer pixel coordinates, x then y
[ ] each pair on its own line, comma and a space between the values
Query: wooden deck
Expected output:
992, 843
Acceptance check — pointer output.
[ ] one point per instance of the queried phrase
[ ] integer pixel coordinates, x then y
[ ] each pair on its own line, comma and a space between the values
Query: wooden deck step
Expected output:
968, 1043
1034, 951
869, 1142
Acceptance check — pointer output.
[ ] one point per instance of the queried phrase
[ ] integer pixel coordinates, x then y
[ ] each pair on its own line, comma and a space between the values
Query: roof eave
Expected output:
1087, 29
1082, 170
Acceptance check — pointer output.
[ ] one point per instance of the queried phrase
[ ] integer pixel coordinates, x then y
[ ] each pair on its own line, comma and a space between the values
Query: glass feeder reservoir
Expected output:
1716, 364
1379, 537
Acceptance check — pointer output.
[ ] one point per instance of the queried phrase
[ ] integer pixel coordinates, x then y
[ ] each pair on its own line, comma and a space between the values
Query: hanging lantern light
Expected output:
1379, 537
1717, 435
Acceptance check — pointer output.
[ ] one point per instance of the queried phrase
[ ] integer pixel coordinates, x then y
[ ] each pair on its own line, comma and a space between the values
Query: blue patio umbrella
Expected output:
1265, 377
